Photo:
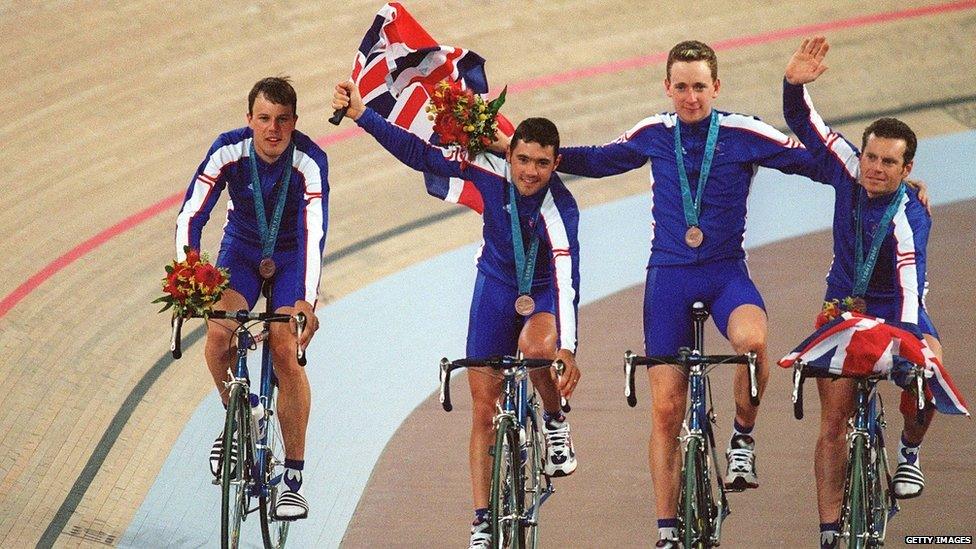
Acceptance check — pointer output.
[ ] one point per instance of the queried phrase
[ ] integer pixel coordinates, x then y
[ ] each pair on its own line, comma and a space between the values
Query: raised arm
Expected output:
835, 155
405, 146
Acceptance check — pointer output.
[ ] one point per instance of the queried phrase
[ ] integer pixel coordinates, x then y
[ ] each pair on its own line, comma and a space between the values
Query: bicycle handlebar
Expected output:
800, 374
241, 317
687, 358
496, 363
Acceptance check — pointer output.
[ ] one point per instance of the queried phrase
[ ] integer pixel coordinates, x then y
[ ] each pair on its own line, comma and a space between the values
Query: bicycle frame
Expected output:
517, 406
867, 476
868, 425
519, 403
240, 376
255, 431
698, 418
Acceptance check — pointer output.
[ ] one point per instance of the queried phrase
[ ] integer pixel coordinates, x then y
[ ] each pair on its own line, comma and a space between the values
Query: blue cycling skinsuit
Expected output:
716, 271
301, 238
551, 214
897, 287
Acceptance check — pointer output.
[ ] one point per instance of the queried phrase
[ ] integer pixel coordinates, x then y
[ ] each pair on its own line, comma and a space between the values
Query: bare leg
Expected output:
668, 389
747, 332
294, 393
221, 348
830, 457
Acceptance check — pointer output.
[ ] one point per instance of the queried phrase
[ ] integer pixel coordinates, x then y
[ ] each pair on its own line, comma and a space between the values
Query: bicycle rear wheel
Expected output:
696, 502
507, 487
274, 532
234, 476
857, 510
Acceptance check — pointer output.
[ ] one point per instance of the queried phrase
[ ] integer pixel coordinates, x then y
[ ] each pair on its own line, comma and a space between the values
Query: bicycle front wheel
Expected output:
235, 468
695, 501
534, 449
857, 520
507, 487
274, 532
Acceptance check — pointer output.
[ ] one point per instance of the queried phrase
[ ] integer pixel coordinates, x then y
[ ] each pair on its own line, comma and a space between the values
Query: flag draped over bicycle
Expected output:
857, 345
397, 69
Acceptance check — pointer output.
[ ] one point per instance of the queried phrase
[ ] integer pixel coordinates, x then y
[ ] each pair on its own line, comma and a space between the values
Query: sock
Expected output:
667, 528
480, 515
829, 534
553, 417
740, 431
906, 452
293, 474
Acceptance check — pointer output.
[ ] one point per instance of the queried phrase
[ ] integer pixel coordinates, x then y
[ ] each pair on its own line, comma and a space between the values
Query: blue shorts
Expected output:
242, 260
671, 291
493, 325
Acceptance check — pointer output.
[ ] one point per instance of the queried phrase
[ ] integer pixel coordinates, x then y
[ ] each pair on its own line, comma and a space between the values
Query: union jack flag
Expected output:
396, 68
856, 345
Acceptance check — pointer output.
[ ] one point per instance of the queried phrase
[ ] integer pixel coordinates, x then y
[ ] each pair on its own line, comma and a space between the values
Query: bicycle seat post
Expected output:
700, 314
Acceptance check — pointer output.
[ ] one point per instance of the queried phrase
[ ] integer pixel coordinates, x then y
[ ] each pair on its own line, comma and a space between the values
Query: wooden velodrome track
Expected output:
106, 110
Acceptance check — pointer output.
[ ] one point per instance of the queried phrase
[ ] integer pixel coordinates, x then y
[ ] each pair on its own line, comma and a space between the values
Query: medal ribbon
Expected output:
524, 267
269, 235
865, 266
693, 207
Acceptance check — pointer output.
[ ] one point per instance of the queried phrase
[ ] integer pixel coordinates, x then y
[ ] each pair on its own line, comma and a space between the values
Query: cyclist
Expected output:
277, 216
894, 226
698, 191
536, 314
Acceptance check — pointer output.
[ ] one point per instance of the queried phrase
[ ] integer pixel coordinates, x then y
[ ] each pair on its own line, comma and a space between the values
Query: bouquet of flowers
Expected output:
833, 308
463, 118
193, 285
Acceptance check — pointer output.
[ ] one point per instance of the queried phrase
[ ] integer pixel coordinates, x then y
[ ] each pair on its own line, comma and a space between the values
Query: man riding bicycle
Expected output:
527, 291
880, 233
277, 217
702, 162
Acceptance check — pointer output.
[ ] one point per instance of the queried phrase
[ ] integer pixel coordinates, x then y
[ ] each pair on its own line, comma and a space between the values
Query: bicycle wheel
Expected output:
507, 487
695, 498
274, 532
234, 500
532, 471
878, 500
855, 501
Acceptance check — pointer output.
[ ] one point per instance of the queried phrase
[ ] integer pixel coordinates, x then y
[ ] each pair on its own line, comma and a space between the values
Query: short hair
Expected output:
537, 130
690, 51
276, 89
892, 128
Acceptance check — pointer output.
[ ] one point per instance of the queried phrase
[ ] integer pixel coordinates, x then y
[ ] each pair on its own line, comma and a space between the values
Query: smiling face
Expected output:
273, 125
883, 165
692, 89
532, 165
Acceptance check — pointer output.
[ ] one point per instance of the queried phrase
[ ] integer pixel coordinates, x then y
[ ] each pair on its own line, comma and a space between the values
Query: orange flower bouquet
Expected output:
463, 118
192, 286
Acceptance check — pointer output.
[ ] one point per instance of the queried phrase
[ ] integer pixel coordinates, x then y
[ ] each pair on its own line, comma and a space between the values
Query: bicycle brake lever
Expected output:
445, 379
300, 321
560, 368
174, 342
629, 382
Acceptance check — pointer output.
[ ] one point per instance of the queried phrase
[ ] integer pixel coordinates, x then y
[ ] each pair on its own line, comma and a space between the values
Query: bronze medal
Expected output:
266, 268
858, 305
694, 237
524, 305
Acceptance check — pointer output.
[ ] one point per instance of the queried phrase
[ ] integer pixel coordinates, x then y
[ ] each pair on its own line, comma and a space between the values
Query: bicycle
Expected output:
251, 429
517, 468
869, 501
700, 515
